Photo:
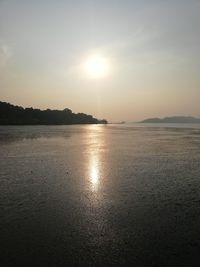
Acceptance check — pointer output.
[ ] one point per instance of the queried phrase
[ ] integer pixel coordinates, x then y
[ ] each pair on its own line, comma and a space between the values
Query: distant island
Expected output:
15, 115
175, 119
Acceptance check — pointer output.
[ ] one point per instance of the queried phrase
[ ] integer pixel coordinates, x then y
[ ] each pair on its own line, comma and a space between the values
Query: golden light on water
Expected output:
94, 172
95, 142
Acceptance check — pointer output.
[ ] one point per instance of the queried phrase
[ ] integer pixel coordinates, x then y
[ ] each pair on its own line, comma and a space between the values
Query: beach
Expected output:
100, 195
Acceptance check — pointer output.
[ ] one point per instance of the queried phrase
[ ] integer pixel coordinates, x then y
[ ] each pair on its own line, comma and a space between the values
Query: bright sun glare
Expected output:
96, 66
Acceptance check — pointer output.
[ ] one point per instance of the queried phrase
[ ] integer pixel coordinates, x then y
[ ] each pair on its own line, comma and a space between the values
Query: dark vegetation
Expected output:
15, 115
175, 119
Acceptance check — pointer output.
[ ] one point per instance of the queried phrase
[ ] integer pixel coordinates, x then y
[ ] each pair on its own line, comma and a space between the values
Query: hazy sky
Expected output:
152, 48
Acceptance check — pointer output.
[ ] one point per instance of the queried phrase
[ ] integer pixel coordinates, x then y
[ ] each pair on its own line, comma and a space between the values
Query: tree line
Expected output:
16, 115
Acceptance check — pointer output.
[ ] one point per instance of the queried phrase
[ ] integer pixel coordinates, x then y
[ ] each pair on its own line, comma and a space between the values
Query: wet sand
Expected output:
100, 195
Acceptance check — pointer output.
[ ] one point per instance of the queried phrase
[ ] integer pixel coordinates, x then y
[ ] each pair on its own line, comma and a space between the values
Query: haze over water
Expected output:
118, 60
100, 195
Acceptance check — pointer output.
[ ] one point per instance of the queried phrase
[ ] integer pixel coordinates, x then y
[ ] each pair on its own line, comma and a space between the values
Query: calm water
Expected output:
115, 195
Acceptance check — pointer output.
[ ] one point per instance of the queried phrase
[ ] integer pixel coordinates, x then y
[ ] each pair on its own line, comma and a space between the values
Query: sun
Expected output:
96, 66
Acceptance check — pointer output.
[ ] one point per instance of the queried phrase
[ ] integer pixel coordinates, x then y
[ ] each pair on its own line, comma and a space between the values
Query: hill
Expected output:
15, 115
175, 119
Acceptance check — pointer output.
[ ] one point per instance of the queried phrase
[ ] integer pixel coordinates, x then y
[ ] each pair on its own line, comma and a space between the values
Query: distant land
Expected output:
174, 119
15, 115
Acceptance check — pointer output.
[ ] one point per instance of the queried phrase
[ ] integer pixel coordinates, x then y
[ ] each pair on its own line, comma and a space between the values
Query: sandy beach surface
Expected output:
100, 195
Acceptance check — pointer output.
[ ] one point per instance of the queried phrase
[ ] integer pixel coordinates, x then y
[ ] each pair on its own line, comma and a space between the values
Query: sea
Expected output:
100, 195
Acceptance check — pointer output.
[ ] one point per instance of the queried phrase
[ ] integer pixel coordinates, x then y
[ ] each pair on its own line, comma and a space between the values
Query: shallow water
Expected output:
100, 195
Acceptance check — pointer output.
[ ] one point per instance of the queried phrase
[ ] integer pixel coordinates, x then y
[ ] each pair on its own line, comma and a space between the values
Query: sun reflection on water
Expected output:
95, 142
94, 172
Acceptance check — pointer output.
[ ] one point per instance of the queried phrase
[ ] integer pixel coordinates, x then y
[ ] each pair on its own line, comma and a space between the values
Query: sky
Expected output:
151, 48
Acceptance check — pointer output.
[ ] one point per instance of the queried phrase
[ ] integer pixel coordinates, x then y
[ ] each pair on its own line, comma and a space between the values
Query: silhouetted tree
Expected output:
15, 115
